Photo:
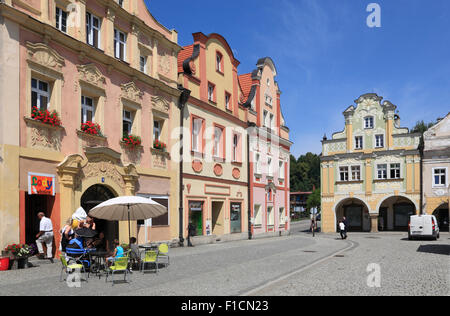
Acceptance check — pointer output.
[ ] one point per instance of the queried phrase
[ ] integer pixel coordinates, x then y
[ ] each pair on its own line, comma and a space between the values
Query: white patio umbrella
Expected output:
128, 208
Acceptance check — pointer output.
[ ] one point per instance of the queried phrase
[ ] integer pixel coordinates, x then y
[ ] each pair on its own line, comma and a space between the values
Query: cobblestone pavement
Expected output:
293, 265
419, 268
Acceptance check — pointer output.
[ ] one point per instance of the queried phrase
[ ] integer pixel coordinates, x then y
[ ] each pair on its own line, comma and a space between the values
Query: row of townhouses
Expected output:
376, 173
98, 100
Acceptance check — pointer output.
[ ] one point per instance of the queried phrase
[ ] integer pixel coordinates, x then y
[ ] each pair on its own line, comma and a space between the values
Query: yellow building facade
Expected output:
370, 172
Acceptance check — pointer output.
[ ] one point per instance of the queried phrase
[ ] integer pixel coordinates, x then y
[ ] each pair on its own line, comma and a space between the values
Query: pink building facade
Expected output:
269, 146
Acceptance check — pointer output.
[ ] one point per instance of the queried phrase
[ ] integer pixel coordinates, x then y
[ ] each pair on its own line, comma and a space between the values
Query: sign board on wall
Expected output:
42, 184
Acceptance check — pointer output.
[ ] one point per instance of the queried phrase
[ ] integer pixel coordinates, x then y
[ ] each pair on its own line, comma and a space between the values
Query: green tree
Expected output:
314, 200
305, 172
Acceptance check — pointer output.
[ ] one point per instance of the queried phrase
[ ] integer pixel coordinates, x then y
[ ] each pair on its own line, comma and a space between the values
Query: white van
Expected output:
423, 226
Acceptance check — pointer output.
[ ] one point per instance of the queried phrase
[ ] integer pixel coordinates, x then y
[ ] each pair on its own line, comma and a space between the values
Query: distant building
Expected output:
370, 172
298, 201
436, 166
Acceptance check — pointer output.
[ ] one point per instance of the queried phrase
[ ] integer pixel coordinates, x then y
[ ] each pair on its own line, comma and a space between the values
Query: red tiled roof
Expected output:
245, 82
184, 54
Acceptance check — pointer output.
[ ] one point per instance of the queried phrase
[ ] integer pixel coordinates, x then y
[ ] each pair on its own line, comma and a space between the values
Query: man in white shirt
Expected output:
45, 235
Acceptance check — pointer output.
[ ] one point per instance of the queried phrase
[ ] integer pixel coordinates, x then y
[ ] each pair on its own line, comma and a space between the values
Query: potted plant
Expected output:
131, 141
18, 254
91, 128
159, 145
46, 117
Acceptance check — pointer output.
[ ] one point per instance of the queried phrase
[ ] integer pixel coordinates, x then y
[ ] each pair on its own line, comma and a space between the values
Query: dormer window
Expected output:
368, 122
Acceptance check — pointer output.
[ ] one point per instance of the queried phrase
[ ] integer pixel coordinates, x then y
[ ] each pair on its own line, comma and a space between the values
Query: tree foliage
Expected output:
313, 200
305, 173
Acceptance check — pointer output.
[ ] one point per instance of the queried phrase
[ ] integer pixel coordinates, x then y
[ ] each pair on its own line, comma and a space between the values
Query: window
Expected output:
120, 2
269, 167
382, 171
40, 94
210, 92
235, 147
127, 122
257, 163
196, 134
271, 121
270, 216
281, 168
395, 171
92, 30
156, 130
343, 171
379, 141
368, 122
61, 20
265, 115
87, 109
258, 215
439, 177
218, 132
281, 216
356, 173
358, 142
120, 44
227, 101
219, 65
268, 100
143, 64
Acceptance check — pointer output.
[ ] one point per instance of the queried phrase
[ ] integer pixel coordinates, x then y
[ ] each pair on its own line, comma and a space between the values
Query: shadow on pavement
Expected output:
436, 249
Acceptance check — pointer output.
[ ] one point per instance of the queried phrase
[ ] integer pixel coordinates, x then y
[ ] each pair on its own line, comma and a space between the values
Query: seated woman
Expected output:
98, 242
118, 252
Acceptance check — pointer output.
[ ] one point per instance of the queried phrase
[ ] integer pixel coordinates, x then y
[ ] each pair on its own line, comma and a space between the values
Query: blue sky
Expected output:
327, 56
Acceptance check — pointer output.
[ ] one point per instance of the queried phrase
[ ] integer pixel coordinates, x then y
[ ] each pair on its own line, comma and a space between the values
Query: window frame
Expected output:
396, 170
376, 141
40, 93
143, 67
361, 142
211, 95
344, 171
85, 107
119, 43
385, 169
126, 120
440, 185
90, 28
59, 18
199, 136
372, 122
353, 172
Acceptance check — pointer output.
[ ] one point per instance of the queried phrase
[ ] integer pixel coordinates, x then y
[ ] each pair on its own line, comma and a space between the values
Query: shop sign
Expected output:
42, 184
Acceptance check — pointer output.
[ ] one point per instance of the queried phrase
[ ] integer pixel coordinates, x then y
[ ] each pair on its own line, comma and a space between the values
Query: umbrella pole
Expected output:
129, 230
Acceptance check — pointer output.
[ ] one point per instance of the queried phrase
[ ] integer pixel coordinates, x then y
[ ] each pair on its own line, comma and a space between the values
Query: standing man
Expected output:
192, 231
45, 235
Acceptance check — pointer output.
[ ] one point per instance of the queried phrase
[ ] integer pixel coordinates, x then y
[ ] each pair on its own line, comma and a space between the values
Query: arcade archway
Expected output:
92, 197
357, 214
442, 216
394, 213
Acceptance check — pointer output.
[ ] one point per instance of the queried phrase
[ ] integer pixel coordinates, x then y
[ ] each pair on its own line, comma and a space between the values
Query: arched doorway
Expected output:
357, 214
394, 213
442, 216
92, 197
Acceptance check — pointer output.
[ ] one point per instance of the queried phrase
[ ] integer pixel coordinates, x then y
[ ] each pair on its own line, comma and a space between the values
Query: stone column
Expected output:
374, 222
67, 193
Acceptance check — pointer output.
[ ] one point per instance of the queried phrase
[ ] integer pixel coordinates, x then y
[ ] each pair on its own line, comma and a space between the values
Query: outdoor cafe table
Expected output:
149, 247
97, 259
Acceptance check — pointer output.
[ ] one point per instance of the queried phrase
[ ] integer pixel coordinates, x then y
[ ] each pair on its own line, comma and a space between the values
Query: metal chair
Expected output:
150, 257
120, 265
163, 253
66, 267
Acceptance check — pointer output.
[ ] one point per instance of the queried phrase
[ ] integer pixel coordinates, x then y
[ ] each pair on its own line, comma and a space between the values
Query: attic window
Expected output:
219, 62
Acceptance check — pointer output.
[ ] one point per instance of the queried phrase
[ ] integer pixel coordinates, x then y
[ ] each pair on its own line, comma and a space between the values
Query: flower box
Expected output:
159, 145
46, 117
131, 141
91, 128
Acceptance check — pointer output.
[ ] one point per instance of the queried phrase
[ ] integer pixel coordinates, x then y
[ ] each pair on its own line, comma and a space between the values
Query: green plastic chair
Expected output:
120, 265
163, 253
150, 257
67, 268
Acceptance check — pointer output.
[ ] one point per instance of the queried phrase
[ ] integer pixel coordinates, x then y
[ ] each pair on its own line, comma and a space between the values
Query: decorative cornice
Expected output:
132, 93
45, 56
90, 74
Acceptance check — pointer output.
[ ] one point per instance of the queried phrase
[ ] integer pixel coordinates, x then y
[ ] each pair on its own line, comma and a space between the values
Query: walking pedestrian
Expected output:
342, 230
45, 235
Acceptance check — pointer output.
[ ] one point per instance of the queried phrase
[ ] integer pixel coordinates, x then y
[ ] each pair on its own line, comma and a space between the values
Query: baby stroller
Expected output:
76, 252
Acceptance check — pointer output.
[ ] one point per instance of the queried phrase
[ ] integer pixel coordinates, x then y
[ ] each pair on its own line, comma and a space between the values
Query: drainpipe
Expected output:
249, 175
185, 93
421, 151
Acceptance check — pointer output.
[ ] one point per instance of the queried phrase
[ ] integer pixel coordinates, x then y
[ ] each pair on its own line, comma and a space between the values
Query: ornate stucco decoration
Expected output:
90, 74
132, 93
99, 163
161, 104
45, 56
164, 62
